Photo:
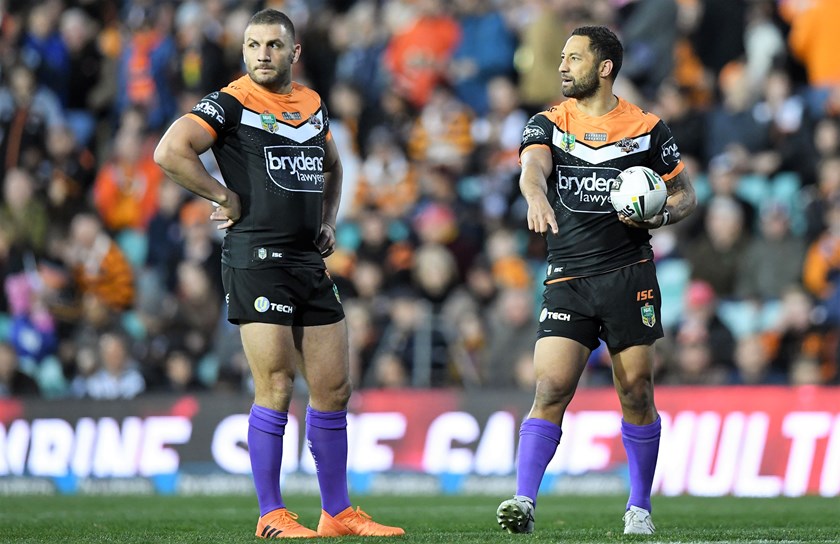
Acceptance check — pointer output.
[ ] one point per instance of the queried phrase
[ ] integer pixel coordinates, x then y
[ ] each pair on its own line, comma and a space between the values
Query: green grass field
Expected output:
427, 520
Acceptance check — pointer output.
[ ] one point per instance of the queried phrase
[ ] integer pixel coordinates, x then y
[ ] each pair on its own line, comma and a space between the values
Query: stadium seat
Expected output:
50, 378
741, 317
753, 188
135, 245
701, 187
673, 275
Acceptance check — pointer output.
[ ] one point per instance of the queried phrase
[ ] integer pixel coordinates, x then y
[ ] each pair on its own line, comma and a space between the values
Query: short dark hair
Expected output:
270, 16
605, 44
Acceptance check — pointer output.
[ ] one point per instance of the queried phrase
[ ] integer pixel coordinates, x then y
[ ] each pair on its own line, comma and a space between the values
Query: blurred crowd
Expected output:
110, 272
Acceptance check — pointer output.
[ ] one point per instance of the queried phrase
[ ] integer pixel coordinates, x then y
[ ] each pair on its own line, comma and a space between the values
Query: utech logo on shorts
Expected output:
296, 168
557, 316
262, 305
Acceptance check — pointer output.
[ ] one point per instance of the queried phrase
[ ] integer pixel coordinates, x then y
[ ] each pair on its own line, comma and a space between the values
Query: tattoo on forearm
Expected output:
687, 200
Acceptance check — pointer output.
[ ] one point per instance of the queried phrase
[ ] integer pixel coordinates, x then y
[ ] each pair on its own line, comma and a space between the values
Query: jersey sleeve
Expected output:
537, 131
218, 113
664, 158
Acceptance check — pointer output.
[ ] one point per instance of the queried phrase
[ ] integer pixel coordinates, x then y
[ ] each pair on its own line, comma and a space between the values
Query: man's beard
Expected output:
583, 88
270, 81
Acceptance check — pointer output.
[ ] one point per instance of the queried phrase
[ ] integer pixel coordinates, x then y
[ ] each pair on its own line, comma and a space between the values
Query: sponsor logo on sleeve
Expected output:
210, 109
670, 152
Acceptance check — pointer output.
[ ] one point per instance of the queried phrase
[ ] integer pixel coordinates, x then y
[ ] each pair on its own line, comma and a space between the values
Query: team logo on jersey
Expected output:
648, 315
595, 136
268, 121
262, 253
316, 121
532, 132
296, 168
291, 116
567, 142
627, 145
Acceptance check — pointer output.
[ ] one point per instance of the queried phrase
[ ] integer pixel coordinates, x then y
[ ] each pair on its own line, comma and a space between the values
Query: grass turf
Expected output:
427, 520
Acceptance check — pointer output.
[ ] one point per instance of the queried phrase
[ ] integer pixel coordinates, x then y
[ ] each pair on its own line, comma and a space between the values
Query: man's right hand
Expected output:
229, 212
541, 216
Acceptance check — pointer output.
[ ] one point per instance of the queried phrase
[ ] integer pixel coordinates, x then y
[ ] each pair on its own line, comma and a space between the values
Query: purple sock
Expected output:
538, 440
326, 433
265, 447
641, 442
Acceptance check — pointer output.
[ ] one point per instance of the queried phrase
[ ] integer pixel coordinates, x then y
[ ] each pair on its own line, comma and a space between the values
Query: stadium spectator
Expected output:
716, 255
422, 42
753, 365
772, 260
118, 375
473, 65
821, 268
13, 381
700, 314
22, 214
510, 325
97, 264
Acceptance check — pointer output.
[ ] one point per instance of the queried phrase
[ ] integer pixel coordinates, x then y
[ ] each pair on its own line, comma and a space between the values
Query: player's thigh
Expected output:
633, 367
558, 365
326, 365
272, 357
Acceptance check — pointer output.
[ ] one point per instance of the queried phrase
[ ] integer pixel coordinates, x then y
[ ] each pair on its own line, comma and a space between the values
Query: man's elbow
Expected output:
163, 154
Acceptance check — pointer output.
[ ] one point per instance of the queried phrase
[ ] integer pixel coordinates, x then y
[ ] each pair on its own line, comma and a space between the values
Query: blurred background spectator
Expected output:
110, 272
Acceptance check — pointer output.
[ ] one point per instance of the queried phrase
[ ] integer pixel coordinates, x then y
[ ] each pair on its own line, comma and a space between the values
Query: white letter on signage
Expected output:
117, 453
52, 442
367, 454
155, 457
803, 428
830, 480
439, 455
588, 453
702, 481
14, 445
675, 450
748, 482
82, 463
494, 454
229, 446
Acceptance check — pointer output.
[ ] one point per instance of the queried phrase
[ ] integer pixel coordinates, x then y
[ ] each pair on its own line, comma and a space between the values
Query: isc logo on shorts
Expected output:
296, 168
262, 305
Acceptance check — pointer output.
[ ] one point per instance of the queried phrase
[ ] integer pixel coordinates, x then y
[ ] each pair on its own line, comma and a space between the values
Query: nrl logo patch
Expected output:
627, 145
648, 315
262, 253
269, 121
568, 142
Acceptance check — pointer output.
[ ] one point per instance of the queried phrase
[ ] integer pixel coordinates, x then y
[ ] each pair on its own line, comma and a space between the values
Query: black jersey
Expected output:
270, 149
588, 153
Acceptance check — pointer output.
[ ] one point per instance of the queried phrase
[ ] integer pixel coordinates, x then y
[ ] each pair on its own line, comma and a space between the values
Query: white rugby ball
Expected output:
638, 193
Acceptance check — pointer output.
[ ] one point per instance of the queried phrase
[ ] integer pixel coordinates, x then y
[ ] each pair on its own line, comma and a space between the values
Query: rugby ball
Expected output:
638, 193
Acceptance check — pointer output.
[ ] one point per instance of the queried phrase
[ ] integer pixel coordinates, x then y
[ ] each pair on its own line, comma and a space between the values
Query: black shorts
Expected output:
621, 307
285, 296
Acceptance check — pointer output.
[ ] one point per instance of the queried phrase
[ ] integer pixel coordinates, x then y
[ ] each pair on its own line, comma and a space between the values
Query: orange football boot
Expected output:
354, 522
281, 523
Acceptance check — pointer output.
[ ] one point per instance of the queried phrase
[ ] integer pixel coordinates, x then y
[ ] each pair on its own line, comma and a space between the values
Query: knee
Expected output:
635, 392
551, 394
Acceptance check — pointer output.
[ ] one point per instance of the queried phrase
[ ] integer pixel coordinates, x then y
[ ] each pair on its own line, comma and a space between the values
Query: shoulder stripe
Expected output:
299, 134
204, 124
630, 146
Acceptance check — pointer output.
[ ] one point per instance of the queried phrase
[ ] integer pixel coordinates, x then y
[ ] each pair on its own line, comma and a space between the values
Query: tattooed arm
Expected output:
681, 202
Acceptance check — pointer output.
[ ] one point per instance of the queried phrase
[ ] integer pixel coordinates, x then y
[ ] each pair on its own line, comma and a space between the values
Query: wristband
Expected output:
666, 217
